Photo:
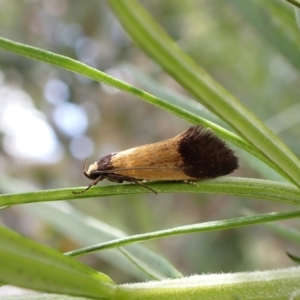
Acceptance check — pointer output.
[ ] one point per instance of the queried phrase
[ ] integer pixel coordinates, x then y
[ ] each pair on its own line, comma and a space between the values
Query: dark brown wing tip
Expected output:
205, 155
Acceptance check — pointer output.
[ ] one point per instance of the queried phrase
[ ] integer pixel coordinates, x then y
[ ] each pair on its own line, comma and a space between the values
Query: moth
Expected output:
193, 155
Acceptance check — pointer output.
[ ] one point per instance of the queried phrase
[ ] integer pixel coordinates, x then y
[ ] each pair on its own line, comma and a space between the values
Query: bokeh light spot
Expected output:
56, 91
81, 147
70, 119
27, 134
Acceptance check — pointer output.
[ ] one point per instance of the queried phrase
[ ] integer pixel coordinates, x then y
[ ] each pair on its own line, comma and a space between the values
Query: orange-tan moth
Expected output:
193, 155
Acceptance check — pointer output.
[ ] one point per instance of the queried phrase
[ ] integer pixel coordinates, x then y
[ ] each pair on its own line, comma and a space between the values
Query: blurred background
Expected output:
51, 120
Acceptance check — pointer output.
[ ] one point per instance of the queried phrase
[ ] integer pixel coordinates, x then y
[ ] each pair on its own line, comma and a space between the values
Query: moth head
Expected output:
89, 173
92, 167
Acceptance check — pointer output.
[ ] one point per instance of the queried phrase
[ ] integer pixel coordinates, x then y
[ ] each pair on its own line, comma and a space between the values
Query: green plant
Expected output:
46, 270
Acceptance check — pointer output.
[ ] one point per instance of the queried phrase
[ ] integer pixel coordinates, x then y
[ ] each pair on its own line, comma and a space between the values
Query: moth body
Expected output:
193, 155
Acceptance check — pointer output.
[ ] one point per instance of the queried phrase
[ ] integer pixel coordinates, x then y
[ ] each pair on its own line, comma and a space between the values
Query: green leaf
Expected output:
246, 187
269, 19
41, 297
294, 258
288, 233
154, 268
88, 231
294, 2
266, 285
28, 264
194, 228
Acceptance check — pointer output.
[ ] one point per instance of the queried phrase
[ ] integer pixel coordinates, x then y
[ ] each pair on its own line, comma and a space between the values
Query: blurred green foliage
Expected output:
227, 38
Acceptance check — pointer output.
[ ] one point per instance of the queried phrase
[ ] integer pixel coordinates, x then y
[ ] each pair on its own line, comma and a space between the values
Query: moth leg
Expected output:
115, 178
120, 178
101, 177
143, 185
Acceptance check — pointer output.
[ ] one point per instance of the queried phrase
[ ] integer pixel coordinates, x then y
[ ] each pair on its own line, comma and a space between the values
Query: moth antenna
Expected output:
84, 169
